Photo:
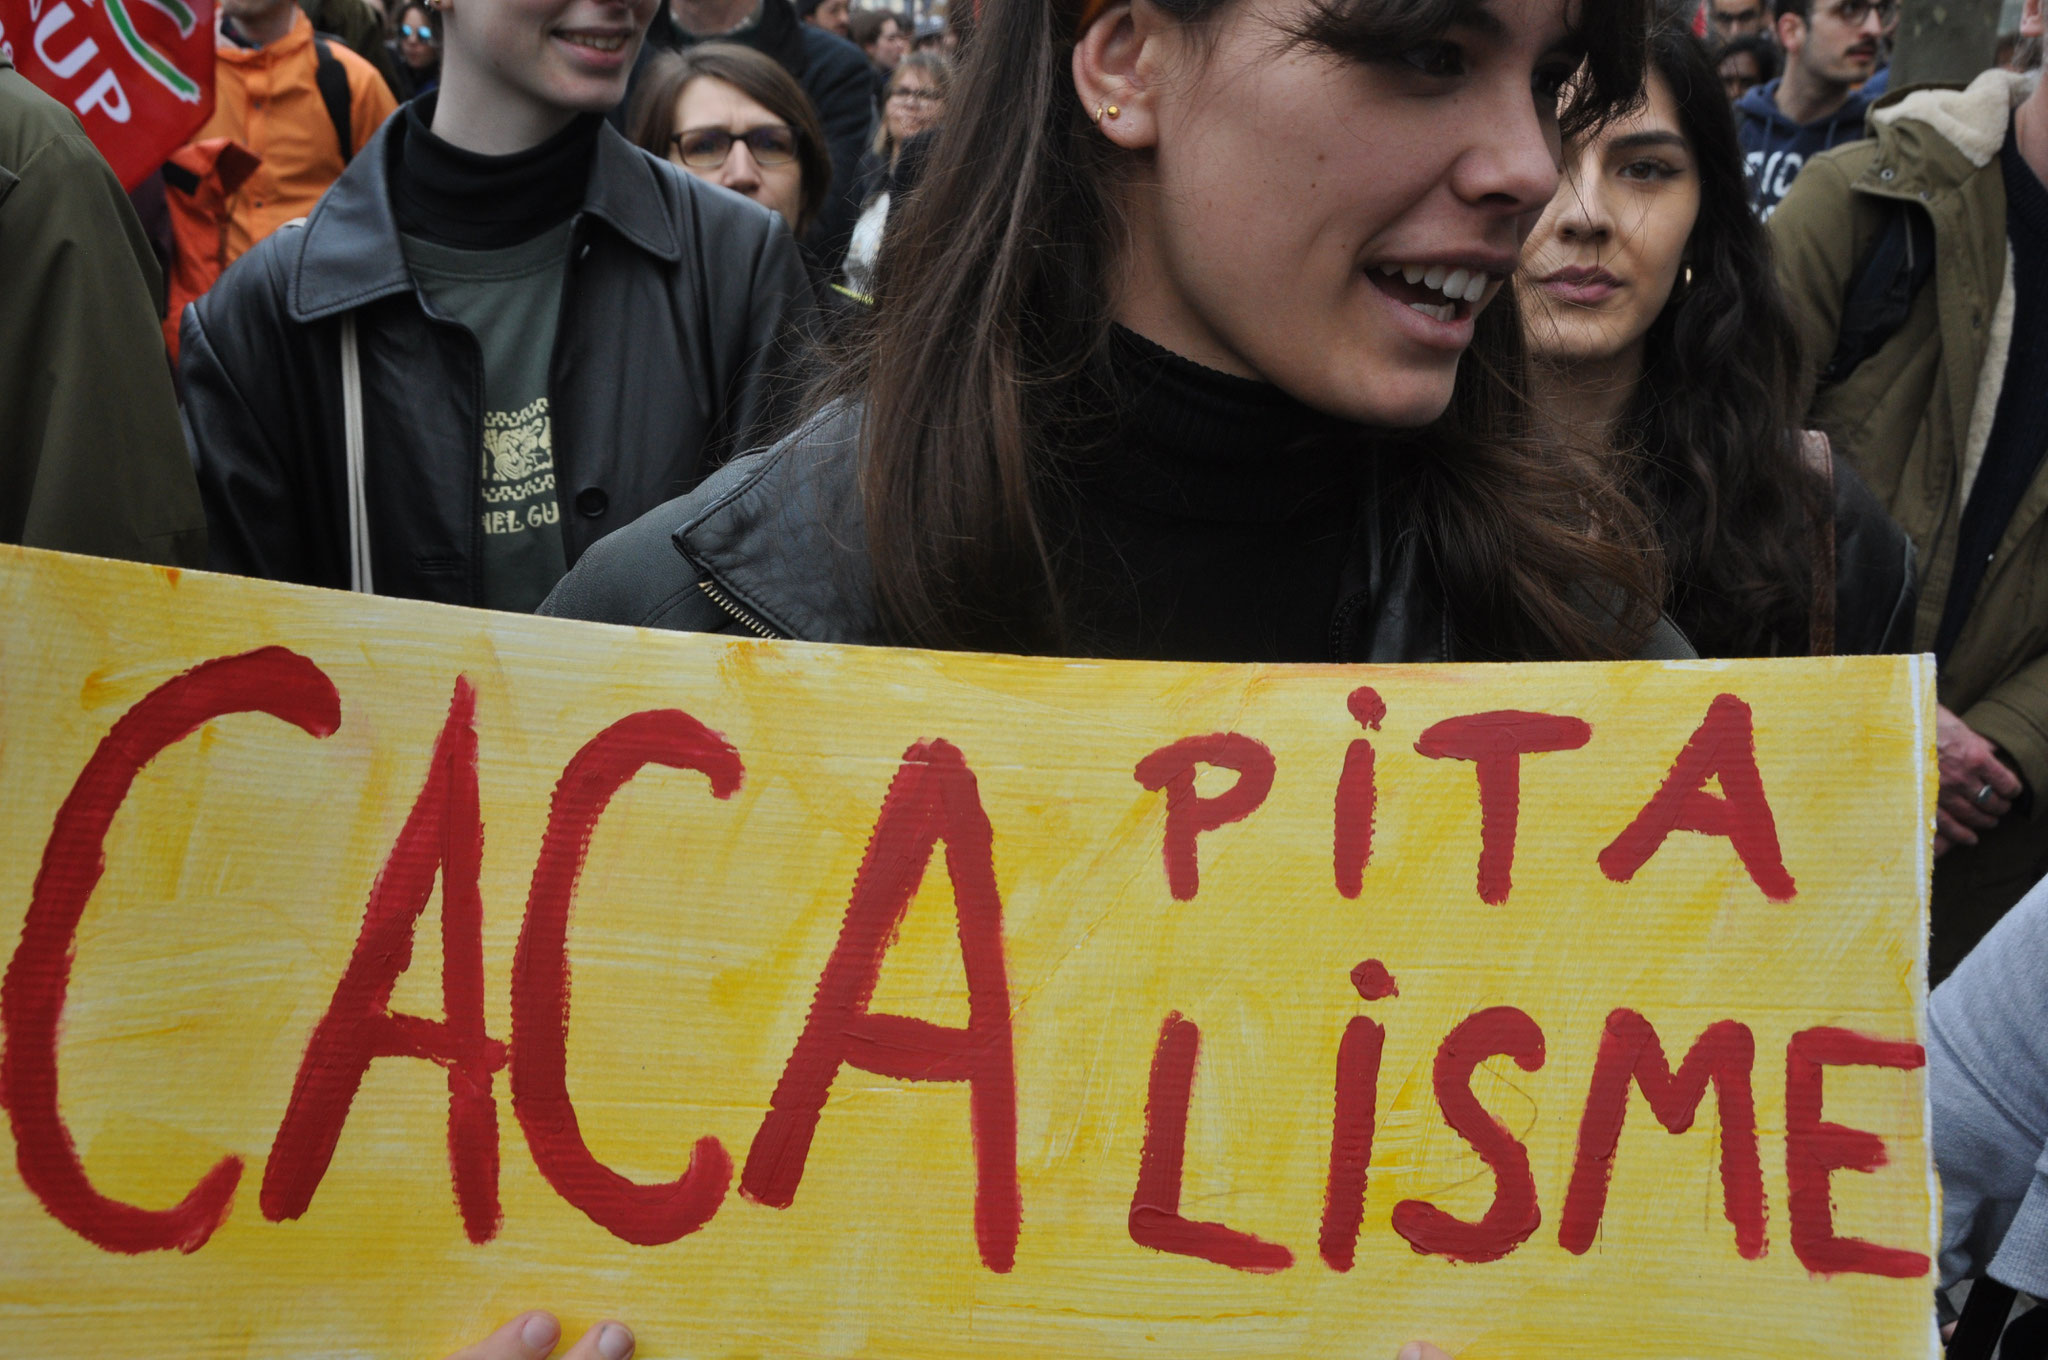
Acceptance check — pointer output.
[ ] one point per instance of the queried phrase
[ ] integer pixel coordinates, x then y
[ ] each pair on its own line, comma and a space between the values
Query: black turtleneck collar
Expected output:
1191, 440
452, 197
1211, 517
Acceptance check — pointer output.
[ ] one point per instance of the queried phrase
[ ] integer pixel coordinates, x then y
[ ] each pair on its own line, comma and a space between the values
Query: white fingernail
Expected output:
614, 1342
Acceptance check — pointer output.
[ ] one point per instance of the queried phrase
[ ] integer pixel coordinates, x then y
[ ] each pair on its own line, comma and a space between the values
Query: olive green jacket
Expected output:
92, 456
1915, 416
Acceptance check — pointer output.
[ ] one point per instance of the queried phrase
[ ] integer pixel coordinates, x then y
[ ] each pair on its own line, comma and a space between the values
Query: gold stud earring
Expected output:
1110, 109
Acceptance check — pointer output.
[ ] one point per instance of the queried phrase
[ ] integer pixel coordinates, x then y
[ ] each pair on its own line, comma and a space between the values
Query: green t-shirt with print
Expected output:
509, 299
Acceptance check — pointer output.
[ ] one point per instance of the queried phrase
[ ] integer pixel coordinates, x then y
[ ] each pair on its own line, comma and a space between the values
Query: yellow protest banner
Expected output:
375, 970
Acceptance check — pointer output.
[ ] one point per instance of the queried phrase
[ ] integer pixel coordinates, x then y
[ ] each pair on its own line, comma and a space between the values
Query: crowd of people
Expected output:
1175, 329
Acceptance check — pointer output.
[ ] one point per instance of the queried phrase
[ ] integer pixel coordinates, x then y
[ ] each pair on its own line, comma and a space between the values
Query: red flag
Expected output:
138, 73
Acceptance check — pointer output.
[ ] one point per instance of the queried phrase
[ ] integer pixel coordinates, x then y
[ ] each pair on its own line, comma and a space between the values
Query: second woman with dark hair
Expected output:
1662, 348
1169, 360
734, 118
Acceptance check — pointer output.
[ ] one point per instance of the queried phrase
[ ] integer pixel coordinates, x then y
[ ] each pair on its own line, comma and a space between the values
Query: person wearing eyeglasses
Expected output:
734, 118
912, 101
1831, 47
419, 49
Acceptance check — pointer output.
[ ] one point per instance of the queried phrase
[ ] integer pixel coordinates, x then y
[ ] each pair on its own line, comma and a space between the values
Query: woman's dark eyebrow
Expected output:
1633, 141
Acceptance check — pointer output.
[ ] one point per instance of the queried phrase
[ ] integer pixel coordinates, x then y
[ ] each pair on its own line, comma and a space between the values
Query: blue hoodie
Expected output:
1775, 148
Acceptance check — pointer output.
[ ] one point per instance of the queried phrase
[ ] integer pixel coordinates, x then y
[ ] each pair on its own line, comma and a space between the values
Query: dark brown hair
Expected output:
652, 120
1714, 416
864, 26
992, 311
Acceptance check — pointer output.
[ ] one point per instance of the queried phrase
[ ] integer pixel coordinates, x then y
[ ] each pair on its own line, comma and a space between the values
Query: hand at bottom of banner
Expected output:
532, 1336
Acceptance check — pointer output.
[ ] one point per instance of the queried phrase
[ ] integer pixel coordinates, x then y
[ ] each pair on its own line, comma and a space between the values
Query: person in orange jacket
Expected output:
291, 108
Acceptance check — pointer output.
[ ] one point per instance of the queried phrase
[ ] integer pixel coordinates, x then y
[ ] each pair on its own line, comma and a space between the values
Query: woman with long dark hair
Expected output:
1662, 347
1169, 360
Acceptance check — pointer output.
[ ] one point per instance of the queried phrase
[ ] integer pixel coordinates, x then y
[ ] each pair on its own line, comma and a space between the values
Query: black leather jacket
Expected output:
675, 348
774, 545
1877, 584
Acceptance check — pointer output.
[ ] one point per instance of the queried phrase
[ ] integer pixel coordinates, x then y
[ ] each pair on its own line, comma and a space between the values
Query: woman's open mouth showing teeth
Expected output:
1440, 292
596, 42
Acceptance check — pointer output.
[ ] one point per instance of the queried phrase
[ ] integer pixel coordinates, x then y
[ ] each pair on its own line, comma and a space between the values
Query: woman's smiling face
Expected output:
1327, 222
1604, 260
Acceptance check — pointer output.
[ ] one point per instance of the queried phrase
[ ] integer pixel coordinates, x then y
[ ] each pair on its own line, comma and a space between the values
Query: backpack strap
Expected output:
1882, 290
332, 78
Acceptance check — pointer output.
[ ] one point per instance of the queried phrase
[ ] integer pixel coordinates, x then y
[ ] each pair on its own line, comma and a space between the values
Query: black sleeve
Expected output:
1877, 590
638, 577
239, 427
840, 83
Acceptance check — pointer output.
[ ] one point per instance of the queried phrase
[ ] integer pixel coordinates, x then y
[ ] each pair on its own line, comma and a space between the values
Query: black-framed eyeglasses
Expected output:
1854, 12
707, 148
423, 32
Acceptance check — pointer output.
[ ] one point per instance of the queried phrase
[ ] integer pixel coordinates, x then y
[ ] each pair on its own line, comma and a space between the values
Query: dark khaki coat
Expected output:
92, 459
1914, 418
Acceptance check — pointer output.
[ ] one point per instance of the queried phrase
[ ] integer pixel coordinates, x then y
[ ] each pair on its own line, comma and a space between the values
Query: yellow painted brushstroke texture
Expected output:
238, 869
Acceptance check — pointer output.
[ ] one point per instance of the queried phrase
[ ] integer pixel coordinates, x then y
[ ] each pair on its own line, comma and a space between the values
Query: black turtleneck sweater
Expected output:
1213, 523
451, 197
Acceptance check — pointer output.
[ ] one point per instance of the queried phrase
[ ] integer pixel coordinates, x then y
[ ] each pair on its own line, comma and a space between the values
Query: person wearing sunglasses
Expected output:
419, 50
733, 117
1831, 47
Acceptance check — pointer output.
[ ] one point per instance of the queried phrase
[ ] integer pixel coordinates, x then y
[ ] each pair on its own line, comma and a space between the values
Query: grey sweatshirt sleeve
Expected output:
1987, 1076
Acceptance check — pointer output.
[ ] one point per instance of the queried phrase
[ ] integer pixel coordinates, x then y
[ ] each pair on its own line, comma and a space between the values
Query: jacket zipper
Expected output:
730, 606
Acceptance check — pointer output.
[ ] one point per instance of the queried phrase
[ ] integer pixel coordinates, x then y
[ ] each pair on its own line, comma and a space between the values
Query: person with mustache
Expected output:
1662, 352
1831, 48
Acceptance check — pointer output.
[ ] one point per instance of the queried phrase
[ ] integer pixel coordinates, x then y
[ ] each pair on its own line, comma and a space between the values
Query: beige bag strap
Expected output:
352, 450
1820, 458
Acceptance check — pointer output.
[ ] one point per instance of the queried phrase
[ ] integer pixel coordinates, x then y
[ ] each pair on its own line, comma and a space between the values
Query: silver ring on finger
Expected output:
1982, 795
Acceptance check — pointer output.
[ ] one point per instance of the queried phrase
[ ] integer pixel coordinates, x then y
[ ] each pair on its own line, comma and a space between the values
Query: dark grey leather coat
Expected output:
676, 346
774, 545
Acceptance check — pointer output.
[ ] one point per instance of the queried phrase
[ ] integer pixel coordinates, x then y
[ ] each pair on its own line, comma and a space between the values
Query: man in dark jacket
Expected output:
832, 71
1831, 46
91, 458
